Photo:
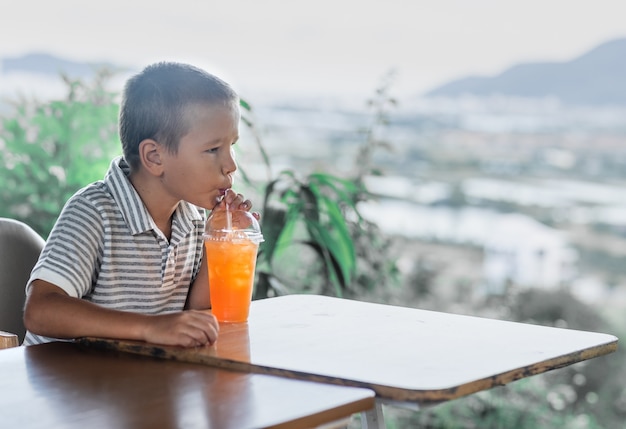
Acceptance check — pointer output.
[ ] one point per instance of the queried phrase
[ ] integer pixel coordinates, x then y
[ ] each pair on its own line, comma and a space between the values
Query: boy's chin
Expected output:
202, 205
207, 204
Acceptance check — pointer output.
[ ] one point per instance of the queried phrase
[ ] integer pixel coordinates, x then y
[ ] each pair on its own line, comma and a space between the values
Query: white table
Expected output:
403, 354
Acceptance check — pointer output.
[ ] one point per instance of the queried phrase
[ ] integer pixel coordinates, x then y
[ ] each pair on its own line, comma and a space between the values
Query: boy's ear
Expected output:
150, 156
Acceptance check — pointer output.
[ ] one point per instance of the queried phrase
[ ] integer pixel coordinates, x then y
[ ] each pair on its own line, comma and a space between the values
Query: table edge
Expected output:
421, 396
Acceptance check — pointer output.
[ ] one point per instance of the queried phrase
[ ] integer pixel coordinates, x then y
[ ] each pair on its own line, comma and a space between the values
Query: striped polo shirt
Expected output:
105, 248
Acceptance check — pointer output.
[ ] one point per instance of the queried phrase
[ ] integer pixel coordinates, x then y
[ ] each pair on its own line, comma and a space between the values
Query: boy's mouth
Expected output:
222, 194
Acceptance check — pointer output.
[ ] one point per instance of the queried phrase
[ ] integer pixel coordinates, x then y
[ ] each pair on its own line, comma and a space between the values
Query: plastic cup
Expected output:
231, 242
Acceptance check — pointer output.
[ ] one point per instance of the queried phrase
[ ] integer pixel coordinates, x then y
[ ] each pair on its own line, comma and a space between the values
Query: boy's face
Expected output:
203, 168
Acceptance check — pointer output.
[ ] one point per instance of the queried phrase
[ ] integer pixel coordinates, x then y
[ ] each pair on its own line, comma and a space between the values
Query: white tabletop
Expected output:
401, 353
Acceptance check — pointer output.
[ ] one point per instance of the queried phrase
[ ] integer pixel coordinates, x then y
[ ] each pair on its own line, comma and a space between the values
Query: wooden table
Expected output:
403, 354
64, 385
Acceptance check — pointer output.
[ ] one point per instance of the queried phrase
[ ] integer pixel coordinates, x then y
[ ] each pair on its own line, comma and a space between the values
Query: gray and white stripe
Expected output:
105, 248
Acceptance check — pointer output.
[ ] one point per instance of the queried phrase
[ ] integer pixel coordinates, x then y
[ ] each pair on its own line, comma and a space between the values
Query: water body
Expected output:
468, 225
575, 201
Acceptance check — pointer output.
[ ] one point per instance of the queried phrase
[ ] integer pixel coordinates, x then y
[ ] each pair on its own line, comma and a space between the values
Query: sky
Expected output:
320, 47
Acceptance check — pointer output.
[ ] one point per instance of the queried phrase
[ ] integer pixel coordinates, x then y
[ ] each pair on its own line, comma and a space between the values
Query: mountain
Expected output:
595, 78
45, 64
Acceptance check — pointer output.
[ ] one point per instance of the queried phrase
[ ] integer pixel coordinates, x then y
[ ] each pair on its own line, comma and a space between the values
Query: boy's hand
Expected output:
51, 312
236, 202
189, 328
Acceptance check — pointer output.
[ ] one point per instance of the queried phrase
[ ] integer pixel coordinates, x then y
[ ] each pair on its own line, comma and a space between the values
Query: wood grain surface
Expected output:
63, 385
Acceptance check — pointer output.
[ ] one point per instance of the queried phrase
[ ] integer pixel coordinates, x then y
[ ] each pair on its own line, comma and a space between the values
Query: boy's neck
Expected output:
161, 207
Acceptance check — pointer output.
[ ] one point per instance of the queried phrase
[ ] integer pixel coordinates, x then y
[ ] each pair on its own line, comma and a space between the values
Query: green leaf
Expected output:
343, 239
309, 203
331, 264
272, 225
262, 286
243, 103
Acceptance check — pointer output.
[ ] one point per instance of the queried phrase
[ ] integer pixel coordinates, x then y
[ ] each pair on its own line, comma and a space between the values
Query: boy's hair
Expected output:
155, 102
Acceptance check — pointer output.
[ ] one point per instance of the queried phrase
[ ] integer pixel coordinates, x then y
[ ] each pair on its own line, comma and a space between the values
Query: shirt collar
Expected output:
186, 217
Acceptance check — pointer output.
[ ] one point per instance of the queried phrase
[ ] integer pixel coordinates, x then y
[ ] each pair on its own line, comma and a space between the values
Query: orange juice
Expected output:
231, 265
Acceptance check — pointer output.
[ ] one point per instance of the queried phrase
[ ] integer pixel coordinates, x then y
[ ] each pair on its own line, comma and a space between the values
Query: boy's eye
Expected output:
213, 150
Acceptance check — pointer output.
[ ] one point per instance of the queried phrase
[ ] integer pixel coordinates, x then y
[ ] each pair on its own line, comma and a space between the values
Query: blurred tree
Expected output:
49, 150
380, 105
554, 307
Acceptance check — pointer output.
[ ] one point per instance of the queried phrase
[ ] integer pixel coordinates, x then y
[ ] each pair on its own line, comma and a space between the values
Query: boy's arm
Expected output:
199, 298
49, 311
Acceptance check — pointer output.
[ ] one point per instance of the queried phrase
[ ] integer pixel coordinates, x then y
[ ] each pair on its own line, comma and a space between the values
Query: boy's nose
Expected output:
229, 165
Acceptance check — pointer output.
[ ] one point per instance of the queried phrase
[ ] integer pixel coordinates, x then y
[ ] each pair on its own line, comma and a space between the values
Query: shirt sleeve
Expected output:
71, 256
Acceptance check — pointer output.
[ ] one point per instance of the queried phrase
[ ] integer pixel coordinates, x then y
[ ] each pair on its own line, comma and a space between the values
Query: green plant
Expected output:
309, 212
49, 150
315, 238
380, 105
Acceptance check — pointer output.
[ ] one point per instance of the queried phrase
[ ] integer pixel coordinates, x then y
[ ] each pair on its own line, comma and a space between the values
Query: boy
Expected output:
124, 259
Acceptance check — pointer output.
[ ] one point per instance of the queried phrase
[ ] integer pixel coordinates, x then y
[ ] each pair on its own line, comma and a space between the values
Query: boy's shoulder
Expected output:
93, 197
94, 191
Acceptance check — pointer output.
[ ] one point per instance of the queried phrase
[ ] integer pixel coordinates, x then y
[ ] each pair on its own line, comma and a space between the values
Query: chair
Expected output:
20, 247
8, 340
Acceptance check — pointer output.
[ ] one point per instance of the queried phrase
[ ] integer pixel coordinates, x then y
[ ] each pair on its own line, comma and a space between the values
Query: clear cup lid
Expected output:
226, 225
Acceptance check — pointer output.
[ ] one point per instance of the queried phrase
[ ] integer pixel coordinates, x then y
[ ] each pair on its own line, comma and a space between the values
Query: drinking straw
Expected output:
229, 220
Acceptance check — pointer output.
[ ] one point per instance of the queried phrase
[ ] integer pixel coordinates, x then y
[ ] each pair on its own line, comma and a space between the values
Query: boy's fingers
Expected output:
237, 200
231, 196
234, 200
